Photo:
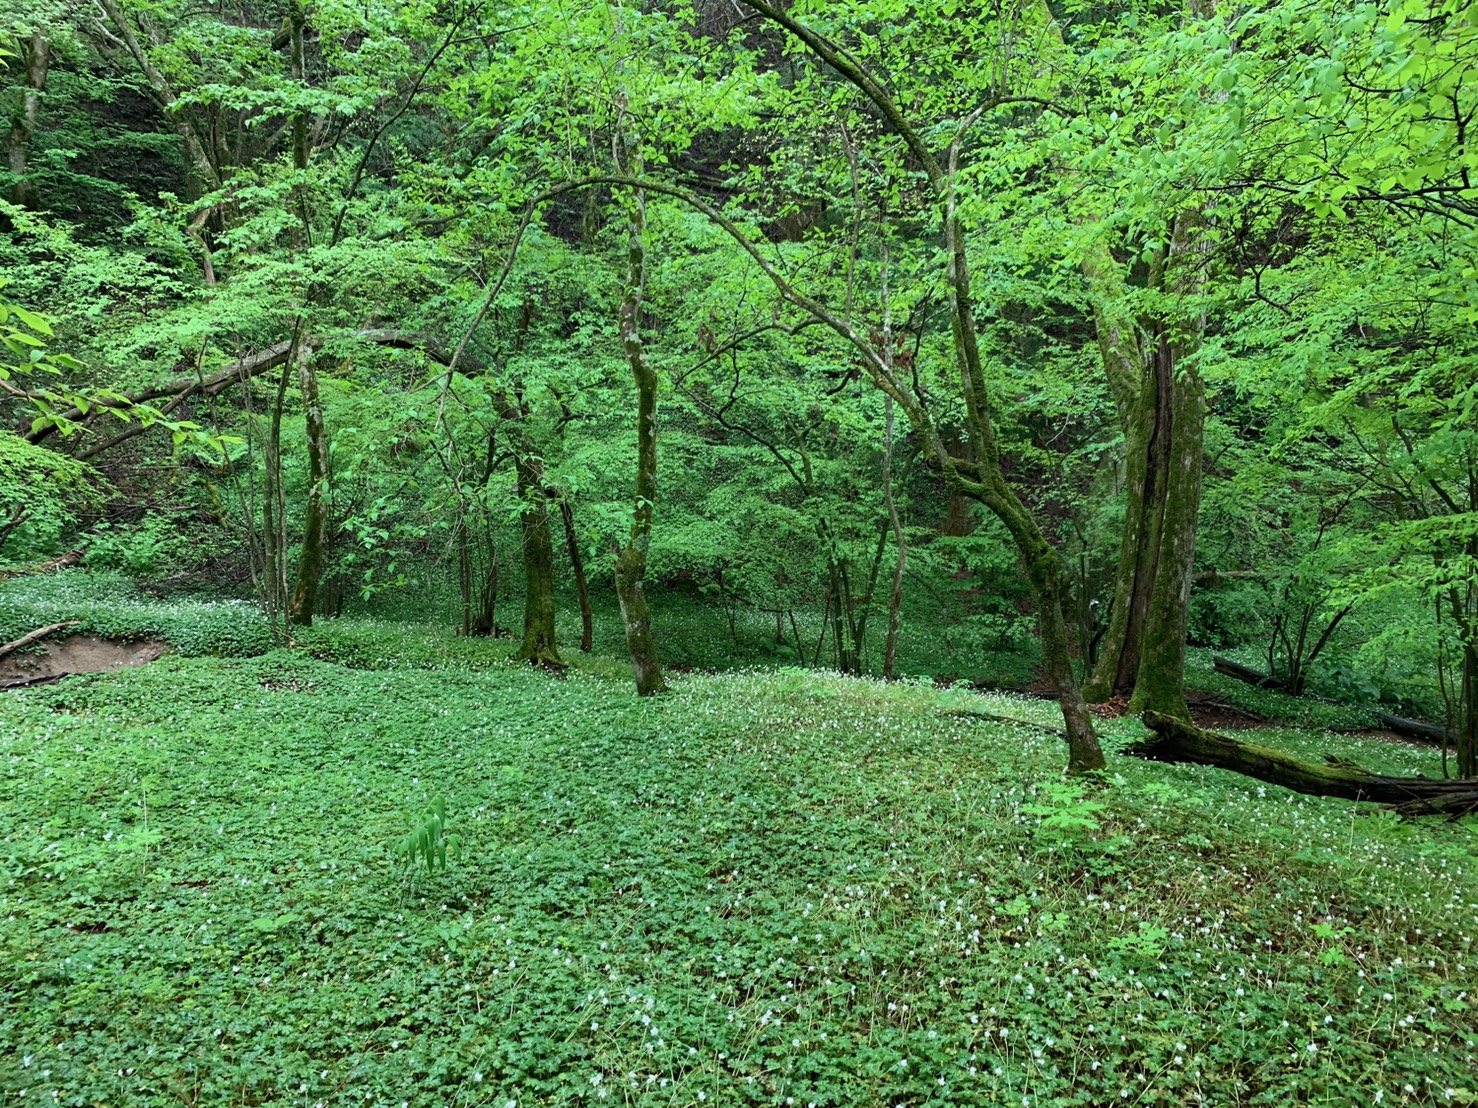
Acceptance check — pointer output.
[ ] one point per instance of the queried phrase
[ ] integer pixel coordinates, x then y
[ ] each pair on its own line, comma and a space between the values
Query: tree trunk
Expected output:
35, 636
1084, 754
316, 510
983, 480
274, 510
538, 646
1162, 404
631, 563
1248, 674
577, 563
1466, 746
1175, 740
316, 515
486, 622
206, 175
895, 595
1416, 729
23, 127
1159, 682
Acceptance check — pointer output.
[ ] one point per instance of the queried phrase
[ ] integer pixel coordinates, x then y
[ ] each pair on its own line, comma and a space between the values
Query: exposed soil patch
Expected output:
1208, 711
76, 654
1217, 718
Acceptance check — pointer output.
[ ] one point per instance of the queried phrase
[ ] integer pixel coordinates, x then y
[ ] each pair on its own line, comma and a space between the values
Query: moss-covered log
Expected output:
1177, 741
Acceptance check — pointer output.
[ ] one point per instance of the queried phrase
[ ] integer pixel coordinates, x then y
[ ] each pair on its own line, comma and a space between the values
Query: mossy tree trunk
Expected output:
314, 550
631, 562
1462, 601
37, 61
1467, 730
1175, 740
982, 480
1150, 366
538, 646
895, 524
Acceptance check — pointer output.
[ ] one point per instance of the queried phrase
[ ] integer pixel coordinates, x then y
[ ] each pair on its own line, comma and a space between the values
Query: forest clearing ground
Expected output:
766, 887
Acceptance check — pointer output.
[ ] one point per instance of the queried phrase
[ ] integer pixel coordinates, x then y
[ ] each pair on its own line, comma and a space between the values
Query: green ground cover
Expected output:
770, 887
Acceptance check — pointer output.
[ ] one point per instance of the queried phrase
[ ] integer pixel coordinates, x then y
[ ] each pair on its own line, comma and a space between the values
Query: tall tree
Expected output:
35, 60
983, 480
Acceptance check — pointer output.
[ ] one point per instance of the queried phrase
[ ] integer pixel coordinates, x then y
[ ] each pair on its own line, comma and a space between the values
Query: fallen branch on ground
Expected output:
35, 636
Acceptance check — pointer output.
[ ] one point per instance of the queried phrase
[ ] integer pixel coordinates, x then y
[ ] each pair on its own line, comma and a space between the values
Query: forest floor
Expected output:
771, 886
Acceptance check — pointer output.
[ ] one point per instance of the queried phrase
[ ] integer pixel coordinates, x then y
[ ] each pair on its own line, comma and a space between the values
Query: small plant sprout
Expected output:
427, 838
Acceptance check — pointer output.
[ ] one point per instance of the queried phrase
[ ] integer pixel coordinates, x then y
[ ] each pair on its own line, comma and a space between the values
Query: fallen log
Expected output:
34, 636
1414, 728
1177, 741
1248, 674
972, 713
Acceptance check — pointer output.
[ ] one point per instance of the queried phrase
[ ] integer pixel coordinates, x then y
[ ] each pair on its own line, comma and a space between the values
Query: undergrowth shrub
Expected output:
150, 549
108, 605
50, 489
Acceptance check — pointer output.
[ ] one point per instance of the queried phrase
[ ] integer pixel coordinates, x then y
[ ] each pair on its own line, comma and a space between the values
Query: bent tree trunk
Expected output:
538, 646
631, 563
984, 480
1174, 740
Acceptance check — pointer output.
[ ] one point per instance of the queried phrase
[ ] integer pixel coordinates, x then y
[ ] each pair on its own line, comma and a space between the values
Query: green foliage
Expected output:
427, 839
109, 605
49, 491
764, 886
153, 548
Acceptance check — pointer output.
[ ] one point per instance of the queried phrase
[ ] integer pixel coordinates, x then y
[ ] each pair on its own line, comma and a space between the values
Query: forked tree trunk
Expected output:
23, 126
1162, 403
631, 562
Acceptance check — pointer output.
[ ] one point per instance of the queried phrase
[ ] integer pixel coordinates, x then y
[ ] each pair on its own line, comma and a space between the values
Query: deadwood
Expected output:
1414, 728
1246, 673
34, 636
1177, 741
